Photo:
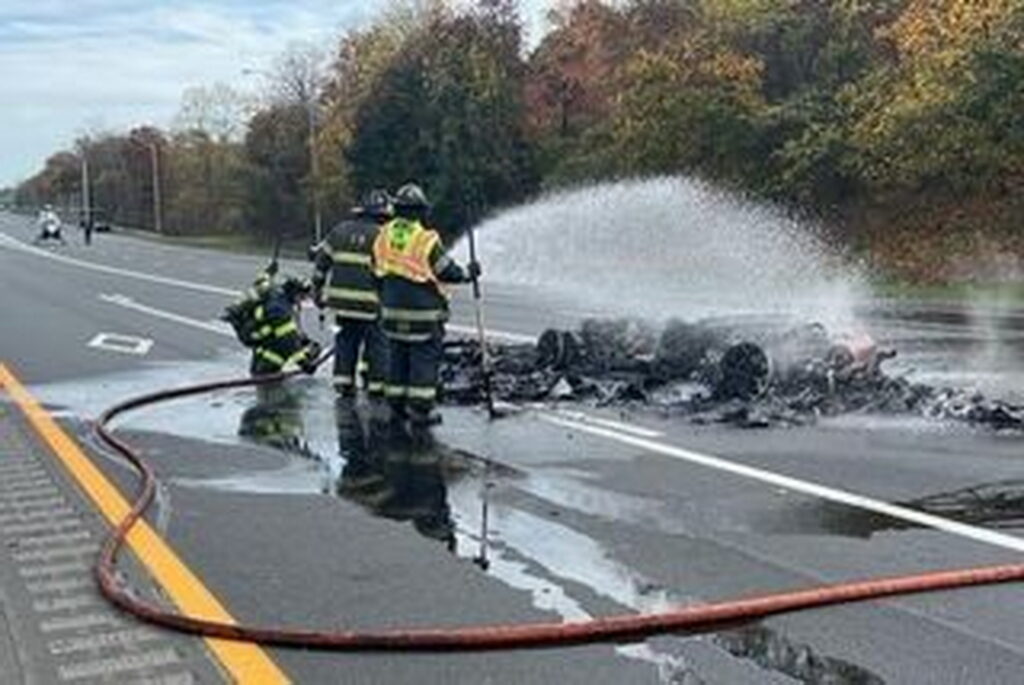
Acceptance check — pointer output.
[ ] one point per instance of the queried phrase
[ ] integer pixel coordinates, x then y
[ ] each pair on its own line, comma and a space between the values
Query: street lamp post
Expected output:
154, 154
154, 165
86, 205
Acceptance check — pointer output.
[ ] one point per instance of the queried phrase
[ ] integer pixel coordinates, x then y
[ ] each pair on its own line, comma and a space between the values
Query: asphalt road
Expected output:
589, 515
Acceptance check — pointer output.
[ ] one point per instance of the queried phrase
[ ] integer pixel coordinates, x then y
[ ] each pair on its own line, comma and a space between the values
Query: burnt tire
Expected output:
745, 371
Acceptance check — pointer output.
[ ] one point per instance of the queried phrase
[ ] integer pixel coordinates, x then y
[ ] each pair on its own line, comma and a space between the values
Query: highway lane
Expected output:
594, 525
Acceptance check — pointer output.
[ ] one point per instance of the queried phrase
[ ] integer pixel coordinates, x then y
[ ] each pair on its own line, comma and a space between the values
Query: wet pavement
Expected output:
301, 510
548, 508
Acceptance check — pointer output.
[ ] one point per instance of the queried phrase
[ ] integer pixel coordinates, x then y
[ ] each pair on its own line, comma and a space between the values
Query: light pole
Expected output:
154, 164
154, 155
86, 205
309, 102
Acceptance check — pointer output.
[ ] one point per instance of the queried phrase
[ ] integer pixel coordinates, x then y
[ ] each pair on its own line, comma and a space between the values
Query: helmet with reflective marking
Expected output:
411, 196
377, 203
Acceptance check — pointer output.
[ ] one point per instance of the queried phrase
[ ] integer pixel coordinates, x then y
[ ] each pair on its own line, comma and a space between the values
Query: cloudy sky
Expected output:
71, 66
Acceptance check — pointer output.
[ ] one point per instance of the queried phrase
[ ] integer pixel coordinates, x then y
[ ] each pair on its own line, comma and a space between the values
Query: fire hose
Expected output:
496, 636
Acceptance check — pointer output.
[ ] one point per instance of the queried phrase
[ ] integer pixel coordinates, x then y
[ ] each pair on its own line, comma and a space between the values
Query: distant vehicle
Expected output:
100, 221
50, 226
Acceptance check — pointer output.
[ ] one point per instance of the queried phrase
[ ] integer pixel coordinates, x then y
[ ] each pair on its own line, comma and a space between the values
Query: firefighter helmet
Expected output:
411, 196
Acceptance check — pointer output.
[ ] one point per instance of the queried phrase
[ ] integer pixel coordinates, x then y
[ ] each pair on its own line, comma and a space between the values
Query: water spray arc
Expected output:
670, 247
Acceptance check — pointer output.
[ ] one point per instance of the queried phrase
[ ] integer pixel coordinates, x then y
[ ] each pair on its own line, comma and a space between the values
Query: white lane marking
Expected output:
491, 333
851, 499
212, 326
125, 344
127, 273
607, 423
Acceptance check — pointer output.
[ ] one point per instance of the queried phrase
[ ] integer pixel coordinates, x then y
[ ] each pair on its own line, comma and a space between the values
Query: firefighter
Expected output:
265, 320
346, 284
413, 266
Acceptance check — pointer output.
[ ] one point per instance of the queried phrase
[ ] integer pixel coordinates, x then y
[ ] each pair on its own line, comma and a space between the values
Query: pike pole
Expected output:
485, 358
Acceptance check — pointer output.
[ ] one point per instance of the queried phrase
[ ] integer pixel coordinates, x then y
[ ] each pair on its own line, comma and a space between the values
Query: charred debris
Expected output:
747, 372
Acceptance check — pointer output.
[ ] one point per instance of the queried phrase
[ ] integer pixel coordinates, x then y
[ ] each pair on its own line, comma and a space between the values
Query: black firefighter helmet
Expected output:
376, 204
411, 197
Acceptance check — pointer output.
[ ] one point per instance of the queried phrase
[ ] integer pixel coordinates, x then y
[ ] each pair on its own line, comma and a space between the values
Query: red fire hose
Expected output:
630, 626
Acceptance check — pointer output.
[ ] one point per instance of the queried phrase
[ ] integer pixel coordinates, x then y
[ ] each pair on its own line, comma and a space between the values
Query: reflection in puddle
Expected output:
398, 475
993, 505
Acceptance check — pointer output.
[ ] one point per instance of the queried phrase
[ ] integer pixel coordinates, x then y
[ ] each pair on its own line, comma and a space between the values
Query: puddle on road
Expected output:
992, 505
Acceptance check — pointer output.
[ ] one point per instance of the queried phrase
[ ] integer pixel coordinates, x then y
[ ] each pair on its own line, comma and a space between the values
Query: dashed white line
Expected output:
492, 333
128, 303
632, 429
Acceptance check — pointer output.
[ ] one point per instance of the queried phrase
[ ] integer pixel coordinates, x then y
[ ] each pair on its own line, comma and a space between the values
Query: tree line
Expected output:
901, 121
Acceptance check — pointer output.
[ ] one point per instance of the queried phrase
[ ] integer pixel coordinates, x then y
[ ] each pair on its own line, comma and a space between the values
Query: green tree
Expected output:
448, 113
277, 152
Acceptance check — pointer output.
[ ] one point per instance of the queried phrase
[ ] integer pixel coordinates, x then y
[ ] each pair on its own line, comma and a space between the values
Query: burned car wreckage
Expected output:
746, 371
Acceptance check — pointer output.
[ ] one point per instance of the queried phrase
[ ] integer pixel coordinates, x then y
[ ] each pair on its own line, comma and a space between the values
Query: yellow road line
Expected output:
244, 661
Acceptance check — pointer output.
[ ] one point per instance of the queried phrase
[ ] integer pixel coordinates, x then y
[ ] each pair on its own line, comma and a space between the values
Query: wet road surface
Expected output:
295, 509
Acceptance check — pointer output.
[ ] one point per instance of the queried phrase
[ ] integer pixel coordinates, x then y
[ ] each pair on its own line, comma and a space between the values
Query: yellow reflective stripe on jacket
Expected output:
407, 337
271, 356
358, 258
285, 328
354, 295
301, 354
355, 314
413, 315
421, 392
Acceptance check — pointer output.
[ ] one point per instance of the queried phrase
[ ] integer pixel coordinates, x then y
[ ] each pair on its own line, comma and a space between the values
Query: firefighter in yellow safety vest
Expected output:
413, 265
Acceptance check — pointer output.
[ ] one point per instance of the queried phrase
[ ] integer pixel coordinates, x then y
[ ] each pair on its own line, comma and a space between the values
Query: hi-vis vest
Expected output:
352, 290
413, 303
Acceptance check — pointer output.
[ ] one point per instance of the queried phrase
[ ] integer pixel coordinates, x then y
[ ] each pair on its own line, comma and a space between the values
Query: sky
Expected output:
70, 67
